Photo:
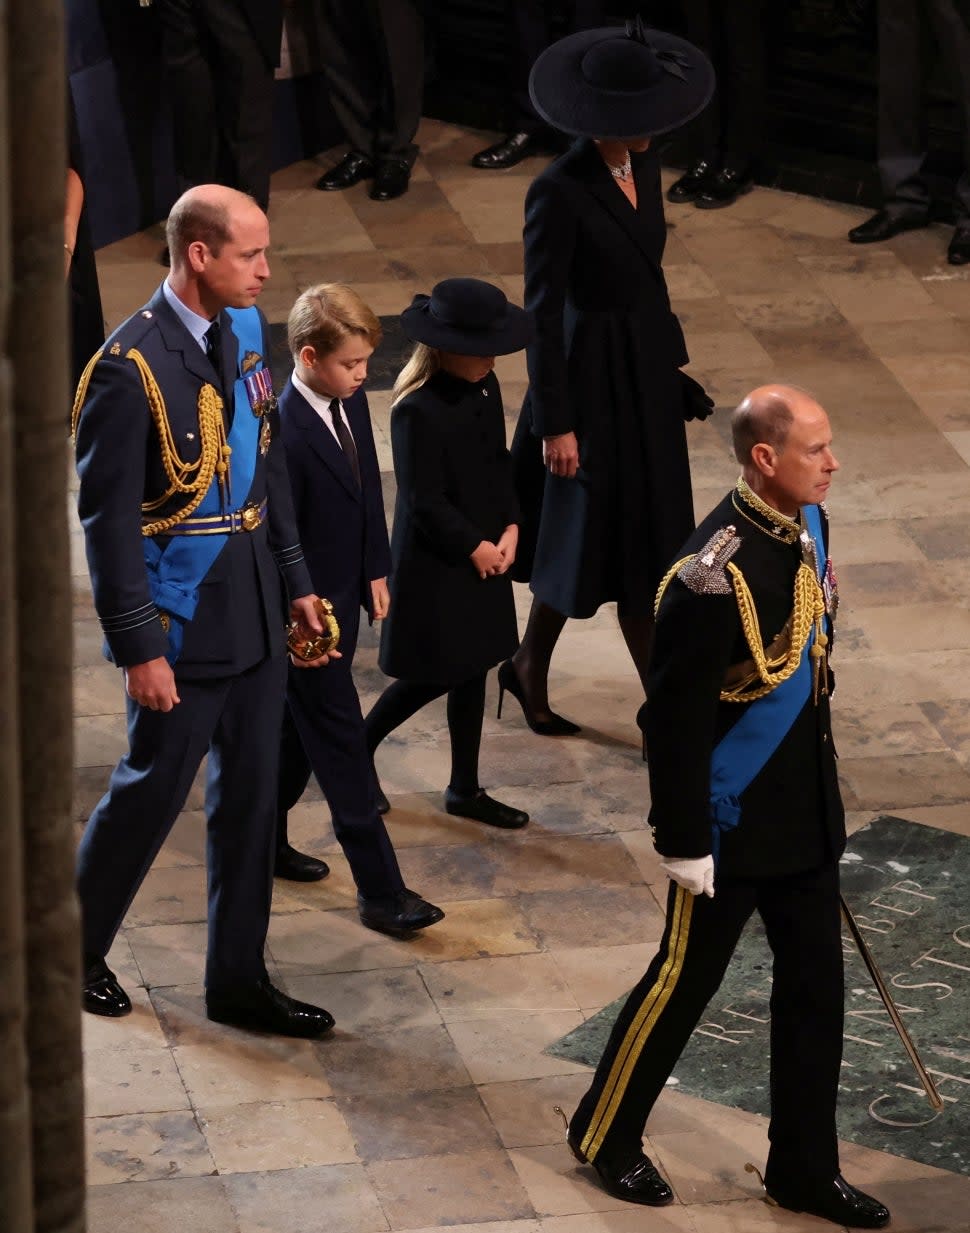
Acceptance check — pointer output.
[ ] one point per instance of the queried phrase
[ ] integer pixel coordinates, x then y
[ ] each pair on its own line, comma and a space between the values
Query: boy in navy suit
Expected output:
339, 507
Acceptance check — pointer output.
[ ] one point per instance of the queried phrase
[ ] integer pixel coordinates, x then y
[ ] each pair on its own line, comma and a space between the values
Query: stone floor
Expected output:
430, 1106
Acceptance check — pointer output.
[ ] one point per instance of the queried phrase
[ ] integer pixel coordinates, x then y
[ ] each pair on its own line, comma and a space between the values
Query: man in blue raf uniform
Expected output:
746, 813
190, 538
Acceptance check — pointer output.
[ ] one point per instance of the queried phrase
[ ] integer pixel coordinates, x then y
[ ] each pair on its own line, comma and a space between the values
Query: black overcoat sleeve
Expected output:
377, 552
420, 471
550, 236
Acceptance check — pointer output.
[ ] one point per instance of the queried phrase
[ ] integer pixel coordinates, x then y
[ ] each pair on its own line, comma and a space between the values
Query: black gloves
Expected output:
697, 405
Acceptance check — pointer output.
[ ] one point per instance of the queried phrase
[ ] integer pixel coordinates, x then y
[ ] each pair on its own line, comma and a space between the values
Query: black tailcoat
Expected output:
605, 366
454, 490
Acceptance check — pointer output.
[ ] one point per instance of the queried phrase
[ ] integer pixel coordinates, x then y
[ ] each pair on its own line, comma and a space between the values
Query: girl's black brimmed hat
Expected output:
468, 317
618, 83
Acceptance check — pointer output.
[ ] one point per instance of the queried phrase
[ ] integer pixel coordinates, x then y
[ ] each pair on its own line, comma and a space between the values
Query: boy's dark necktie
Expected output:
345, 438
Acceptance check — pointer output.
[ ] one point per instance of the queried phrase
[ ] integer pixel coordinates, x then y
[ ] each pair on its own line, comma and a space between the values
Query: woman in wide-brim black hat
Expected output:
452, 614
600, 450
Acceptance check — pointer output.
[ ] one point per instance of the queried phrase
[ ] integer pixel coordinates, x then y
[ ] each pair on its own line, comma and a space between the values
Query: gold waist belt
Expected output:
248, 518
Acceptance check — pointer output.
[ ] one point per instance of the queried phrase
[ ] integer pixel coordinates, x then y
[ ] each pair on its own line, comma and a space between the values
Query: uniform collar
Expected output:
767, 519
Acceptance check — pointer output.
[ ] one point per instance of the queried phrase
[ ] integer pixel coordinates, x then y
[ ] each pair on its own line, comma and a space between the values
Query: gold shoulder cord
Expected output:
808, 610
193, 478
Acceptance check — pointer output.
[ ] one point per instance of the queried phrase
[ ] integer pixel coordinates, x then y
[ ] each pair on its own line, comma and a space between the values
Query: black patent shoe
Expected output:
100, 992
267, 1009
297, 866
887, 223
351, 169
398, 915
692, 183
958, 252
484, 808
381, 803
391, 179
508, 152
838, 1201
724, 189
555, 725
639, 1182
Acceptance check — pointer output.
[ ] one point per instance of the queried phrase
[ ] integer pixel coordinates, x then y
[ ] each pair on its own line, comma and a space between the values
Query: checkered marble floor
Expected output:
430, 1106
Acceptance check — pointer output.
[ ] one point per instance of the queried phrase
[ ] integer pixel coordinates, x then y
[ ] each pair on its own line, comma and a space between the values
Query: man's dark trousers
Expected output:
801, 917
237, 720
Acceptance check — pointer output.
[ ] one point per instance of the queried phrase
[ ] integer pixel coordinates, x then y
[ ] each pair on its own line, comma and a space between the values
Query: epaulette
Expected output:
120, 343
705, 572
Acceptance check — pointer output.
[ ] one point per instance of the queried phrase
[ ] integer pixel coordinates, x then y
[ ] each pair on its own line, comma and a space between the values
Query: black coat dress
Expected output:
605, 366
454, 489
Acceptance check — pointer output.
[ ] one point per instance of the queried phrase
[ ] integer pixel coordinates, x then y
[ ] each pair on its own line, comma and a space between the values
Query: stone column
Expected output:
43, 1058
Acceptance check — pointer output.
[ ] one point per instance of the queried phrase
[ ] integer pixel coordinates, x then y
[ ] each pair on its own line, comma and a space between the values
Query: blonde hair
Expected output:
421, 367
326, 315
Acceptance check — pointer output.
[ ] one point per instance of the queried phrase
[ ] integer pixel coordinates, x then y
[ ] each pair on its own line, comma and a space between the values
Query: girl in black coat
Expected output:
452, 614
601, 450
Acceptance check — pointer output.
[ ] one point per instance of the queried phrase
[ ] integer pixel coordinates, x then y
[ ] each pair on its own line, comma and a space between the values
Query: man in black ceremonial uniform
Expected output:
746, 814
190, 537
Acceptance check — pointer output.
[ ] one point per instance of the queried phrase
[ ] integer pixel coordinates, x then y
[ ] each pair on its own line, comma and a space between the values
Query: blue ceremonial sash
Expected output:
177, 570
744, 750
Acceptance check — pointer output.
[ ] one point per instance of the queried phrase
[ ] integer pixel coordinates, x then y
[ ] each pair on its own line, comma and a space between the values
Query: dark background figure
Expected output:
84, 294
724, 142
532, 25
374, 66
906, 30
219, 57
600, 448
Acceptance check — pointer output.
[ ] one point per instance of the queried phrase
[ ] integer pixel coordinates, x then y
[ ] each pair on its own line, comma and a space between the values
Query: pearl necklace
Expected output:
625, 170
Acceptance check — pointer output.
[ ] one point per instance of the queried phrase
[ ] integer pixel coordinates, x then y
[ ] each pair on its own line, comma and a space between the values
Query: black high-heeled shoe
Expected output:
508, 679
642, 725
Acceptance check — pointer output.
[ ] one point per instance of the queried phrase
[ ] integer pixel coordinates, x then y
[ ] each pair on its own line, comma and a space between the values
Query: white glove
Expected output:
694, 874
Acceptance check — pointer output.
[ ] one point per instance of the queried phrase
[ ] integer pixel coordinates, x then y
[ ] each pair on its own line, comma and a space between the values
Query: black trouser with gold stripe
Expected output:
801, 917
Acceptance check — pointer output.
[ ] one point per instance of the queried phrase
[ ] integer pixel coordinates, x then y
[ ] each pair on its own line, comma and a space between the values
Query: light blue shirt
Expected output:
195, 324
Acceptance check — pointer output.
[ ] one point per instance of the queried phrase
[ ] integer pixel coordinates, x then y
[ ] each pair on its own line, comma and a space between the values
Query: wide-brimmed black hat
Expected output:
469, 317
615, 82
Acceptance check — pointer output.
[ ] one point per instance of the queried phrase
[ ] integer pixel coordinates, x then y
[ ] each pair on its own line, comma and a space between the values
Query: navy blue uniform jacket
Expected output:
241, 615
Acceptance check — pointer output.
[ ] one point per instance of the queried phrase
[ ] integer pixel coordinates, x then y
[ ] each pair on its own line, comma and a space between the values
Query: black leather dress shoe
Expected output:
692, 183
838, 1202
508, 152
398, 915
380, 799
267, 1009
724, 189
959, 251
484, 808
100, 992
391, 179
887, 223
351, 169
637, 1182
297, 866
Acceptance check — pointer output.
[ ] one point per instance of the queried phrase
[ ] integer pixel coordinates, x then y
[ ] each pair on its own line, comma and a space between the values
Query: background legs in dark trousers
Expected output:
466, 711
237, 720
801, 916
908, 29
374, 64
221, 86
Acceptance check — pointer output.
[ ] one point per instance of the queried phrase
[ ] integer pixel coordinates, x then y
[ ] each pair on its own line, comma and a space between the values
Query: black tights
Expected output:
466, 710
542, 632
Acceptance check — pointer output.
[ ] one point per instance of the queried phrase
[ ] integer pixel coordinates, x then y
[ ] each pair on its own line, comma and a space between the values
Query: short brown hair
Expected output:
194, 219
327, 314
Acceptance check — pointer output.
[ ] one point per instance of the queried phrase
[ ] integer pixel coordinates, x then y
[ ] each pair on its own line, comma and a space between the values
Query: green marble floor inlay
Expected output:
907, 886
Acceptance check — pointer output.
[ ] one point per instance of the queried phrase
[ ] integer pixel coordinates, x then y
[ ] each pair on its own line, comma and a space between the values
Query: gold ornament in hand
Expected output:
312, 646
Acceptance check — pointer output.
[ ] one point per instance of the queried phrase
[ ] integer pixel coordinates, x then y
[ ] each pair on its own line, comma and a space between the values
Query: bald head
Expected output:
766, 416
206, 214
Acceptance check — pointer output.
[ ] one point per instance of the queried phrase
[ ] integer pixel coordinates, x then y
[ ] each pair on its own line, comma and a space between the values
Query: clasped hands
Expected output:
491, 559
694, 874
